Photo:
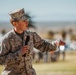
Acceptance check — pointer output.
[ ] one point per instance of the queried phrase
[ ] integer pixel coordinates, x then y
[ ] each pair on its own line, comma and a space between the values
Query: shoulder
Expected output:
7, 36
35, 35
31, 32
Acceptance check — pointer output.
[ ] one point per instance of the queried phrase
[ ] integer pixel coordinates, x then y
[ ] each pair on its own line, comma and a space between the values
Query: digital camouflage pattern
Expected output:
10, 55
18, 14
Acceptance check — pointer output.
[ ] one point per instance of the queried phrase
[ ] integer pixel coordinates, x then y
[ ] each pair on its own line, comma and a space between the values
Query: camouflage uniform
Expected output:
11, 57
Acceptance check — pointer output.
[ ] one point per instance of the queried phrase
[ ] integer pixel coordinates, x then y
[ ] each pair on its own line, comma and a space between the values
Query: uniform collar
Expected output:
25, 34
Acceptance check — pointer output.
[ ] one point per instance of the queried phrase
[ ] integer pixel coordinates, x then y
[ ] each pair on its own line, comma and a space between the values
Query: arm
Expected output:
41, 44
6, 57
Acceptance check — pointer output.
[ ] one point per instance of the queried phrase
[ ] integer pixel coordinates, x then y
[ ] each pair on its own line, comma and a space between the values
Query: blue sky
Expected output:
42, 10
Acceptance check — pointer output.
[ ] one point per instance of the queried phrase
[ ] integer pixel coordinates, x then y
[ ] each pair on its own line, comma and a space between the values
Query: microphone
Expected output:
27, 40
26, 43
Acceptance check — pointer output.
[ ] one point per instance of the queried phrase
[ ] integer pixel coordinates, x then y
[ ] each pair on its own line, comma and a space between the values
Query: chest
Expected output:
16, 44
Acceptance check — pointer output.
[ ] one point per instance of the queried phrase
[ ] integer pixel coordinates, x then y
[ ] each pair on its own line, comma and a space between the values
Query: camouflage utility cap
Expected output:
18, 14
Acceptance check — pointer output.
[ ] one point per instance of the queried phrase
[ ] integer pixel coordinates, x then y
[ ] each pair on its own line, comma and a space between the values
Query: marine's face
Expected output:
22, 25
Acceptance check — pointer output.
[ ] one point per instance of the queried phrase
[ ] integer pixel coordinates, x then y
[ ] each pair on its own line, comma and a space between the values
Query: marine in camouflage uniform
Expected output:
10, 52
11, 57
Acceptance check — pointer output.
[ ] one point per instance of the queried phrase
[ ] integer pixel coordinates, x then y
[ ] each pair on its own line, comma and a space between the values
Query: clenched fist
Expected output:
25, 50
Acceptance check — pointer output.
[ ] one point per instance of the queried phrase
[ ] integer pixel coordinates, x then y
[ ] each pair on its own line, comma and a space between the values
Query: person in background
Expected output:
17, 46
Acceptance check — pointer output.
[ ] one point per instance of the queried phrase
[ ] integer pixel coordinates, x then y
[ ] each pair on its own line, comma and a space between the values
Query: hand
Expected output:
25, 50
59, 42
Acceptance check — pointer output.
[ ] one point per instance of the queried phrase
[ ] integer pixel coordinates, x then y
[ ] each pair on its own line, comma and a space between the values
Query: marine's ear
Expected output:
15, 24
